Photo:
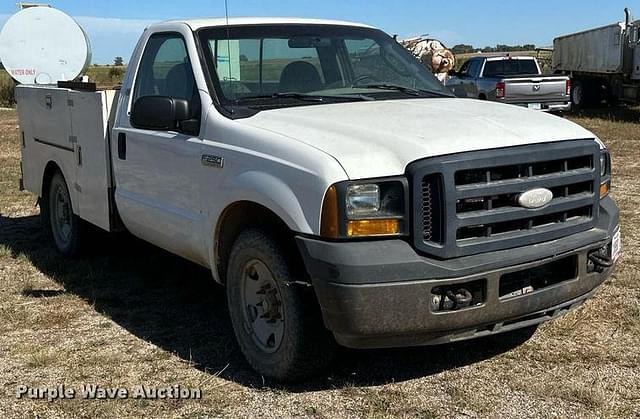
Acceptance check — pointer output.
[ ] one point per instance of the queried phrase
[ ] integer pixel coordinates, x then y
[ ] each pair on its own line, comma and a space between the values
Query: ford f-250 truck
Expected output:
336, 189
513, 80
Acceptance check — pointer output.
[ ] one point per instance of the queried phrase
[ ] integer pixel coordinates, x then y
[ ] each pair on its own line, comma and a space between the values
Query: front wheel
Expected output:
58, 218
276, 320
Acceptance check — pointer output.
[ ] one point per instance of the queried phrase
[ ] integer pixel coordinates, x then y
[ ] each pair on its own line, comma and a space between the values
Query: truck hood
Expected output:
376, 139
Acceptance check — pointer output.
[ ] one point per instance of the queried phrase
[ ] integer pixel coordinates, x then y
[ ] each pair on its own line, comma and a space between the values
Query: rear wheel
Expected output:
276, 321
56, 210
577, 95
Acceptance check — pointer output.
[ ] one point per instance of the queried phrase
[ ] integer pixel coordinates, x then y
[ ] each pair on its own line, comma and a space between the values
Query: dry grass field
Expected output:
130, 314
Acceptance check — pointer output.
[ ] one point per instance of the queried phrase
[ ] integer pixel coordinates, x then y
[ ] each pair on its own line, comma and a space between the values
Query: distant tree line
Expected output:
468, 49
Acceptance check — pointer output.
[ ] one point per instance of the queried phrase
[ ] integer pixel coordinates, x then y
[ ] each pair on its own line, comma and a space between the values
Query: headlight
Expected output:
362, 200
365, 209
605, 173
603, 164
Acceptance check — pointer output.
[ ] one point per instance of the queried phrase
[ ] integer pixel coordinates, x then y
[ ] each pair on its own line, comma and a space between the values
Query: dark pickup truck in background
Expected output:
512, 80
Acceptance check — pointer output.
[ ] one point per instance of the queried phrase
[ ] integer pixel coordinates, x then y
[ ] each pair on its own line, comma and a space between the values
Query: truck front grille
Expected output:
431, 209
468, 203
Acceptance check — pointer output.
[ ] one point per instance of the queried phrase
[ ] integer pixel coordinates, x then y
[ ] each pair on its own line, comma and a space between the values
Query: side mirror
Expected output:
159, 113
452, 73
634, 35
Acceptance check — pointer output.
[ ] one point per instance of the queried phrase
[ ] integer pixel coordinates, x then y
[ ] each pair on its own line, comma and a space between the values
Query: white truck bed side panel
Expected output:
595, 51
69, 128
45, 123
89, 121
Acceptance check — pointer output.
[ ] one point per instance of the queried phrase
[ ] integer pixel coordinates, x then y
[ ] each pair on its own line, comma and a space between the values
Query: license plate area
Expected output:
519, 283
616, 246
534, 106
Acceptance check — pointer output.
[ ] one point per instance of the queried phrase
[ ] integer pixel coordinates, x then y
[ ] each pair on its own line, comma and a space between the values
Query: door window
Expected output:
464, 70
165, 70
474, 68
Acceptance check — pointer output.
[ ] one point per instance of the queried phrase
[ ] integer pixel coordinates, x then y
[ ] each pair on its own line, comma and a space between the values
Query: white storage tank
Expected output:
42, 45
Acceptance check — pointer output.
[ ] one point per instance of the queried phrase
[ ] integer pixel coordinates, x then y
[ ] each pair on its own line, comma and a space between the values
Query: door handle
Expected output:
122, 146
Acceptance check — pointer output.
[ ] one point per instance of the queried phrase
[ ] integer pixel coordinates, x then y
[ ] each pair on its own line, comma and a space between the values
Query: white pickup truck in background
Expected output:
336, 189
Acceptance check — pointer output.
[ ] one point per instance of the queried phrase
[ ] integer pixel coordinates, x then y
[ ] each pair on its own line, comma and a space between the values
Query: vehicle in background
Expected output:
511, 80
603, 63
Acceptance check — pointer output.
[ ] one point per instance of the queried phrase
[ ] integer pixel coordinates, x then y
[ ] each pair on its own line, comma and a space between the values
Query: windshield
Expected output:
510, 68
287, 65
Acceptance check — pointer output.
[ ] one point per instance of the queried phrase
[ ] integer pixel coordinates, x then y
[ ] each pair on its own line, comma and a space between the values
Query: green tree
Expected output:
462, 49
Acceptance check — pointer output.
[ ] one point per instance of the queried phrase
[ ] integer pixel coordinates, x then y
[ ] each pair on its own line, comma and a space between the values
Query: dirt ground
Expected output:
129, 314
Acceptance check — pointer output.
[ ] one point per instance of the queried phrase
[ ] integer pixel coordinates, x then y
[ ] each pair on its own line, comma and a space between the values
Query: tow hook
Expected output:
451, 301
599, 260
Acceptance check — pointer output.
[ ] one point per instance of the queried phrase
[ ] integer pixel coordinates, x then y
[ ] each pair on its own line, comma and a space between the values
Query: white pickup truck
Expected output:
331, 183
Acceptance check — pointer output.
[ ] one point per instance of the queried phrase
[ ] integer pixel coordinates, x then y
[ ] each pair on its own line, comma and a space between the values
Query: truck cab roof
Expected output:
200, 23
502, 57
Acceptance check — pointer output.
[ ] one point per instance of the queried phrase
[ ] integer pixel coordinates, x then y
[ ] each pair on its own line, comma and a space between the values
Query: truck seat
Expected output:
300, 77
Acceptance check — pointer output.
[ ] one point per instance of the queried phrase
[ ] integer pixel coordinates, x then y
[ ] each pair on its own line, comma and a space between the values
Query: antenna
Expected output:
226, 13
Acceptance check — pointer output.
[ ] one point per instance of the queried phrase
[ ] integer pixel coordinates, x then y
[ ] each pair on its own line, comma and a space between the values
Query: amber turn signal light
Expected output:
604, 189
361, 228
329, 221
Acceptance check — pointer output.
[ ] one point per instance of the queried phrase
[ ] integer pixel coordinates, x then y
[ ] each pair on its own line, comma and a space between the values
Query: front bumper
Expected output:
378, 294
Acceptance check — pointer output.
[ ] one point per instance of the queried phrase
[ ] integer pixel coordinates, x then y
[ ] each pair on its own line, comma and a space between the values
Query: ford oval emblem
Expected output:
535, 198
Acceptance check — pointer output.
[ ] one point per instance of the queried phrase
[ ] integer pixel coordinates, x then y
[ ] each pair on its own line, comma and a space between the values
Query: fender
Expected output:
274, 194
270, 192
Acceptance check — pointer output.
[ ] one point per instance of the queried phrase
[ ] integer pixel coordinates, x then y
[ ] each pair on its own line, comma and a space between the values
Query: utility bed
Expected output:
69, 127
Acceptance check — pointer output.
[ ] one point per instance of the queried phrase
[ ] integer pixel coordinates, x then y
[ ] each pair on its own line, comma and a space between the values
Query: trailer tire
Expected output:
276, 320
56, 211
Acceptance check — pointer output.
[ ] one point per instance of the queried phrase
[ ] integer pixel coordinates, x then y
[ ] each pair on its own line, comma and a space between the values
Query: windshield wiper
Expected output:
306, 97
403, 89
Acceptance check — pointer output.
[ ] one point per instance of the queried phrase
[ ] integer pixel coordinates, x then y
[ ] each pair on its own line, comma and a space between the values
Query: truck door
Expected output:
471, 86
157, 172
459, 83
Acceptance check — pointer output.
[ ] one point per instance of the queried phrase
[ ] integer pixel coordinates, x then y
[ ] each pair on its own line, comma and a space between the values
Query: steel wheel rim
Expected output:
262, 306
61, 215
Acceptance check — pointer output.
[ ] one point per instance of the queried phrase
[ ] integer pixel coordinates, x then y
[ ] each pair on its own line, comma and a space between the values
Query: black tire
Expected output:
578, 98
297, 345
55, 201
611, 97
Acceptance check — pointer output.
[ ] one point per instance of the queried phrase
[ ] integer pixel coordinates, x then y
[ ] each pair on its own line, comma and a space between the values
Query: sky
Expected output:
114, 26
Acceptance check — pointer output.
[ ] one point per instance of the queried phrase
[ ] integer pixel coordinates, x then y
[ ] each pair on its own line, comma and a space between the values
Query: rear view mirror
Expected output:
309, 42
159, 113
